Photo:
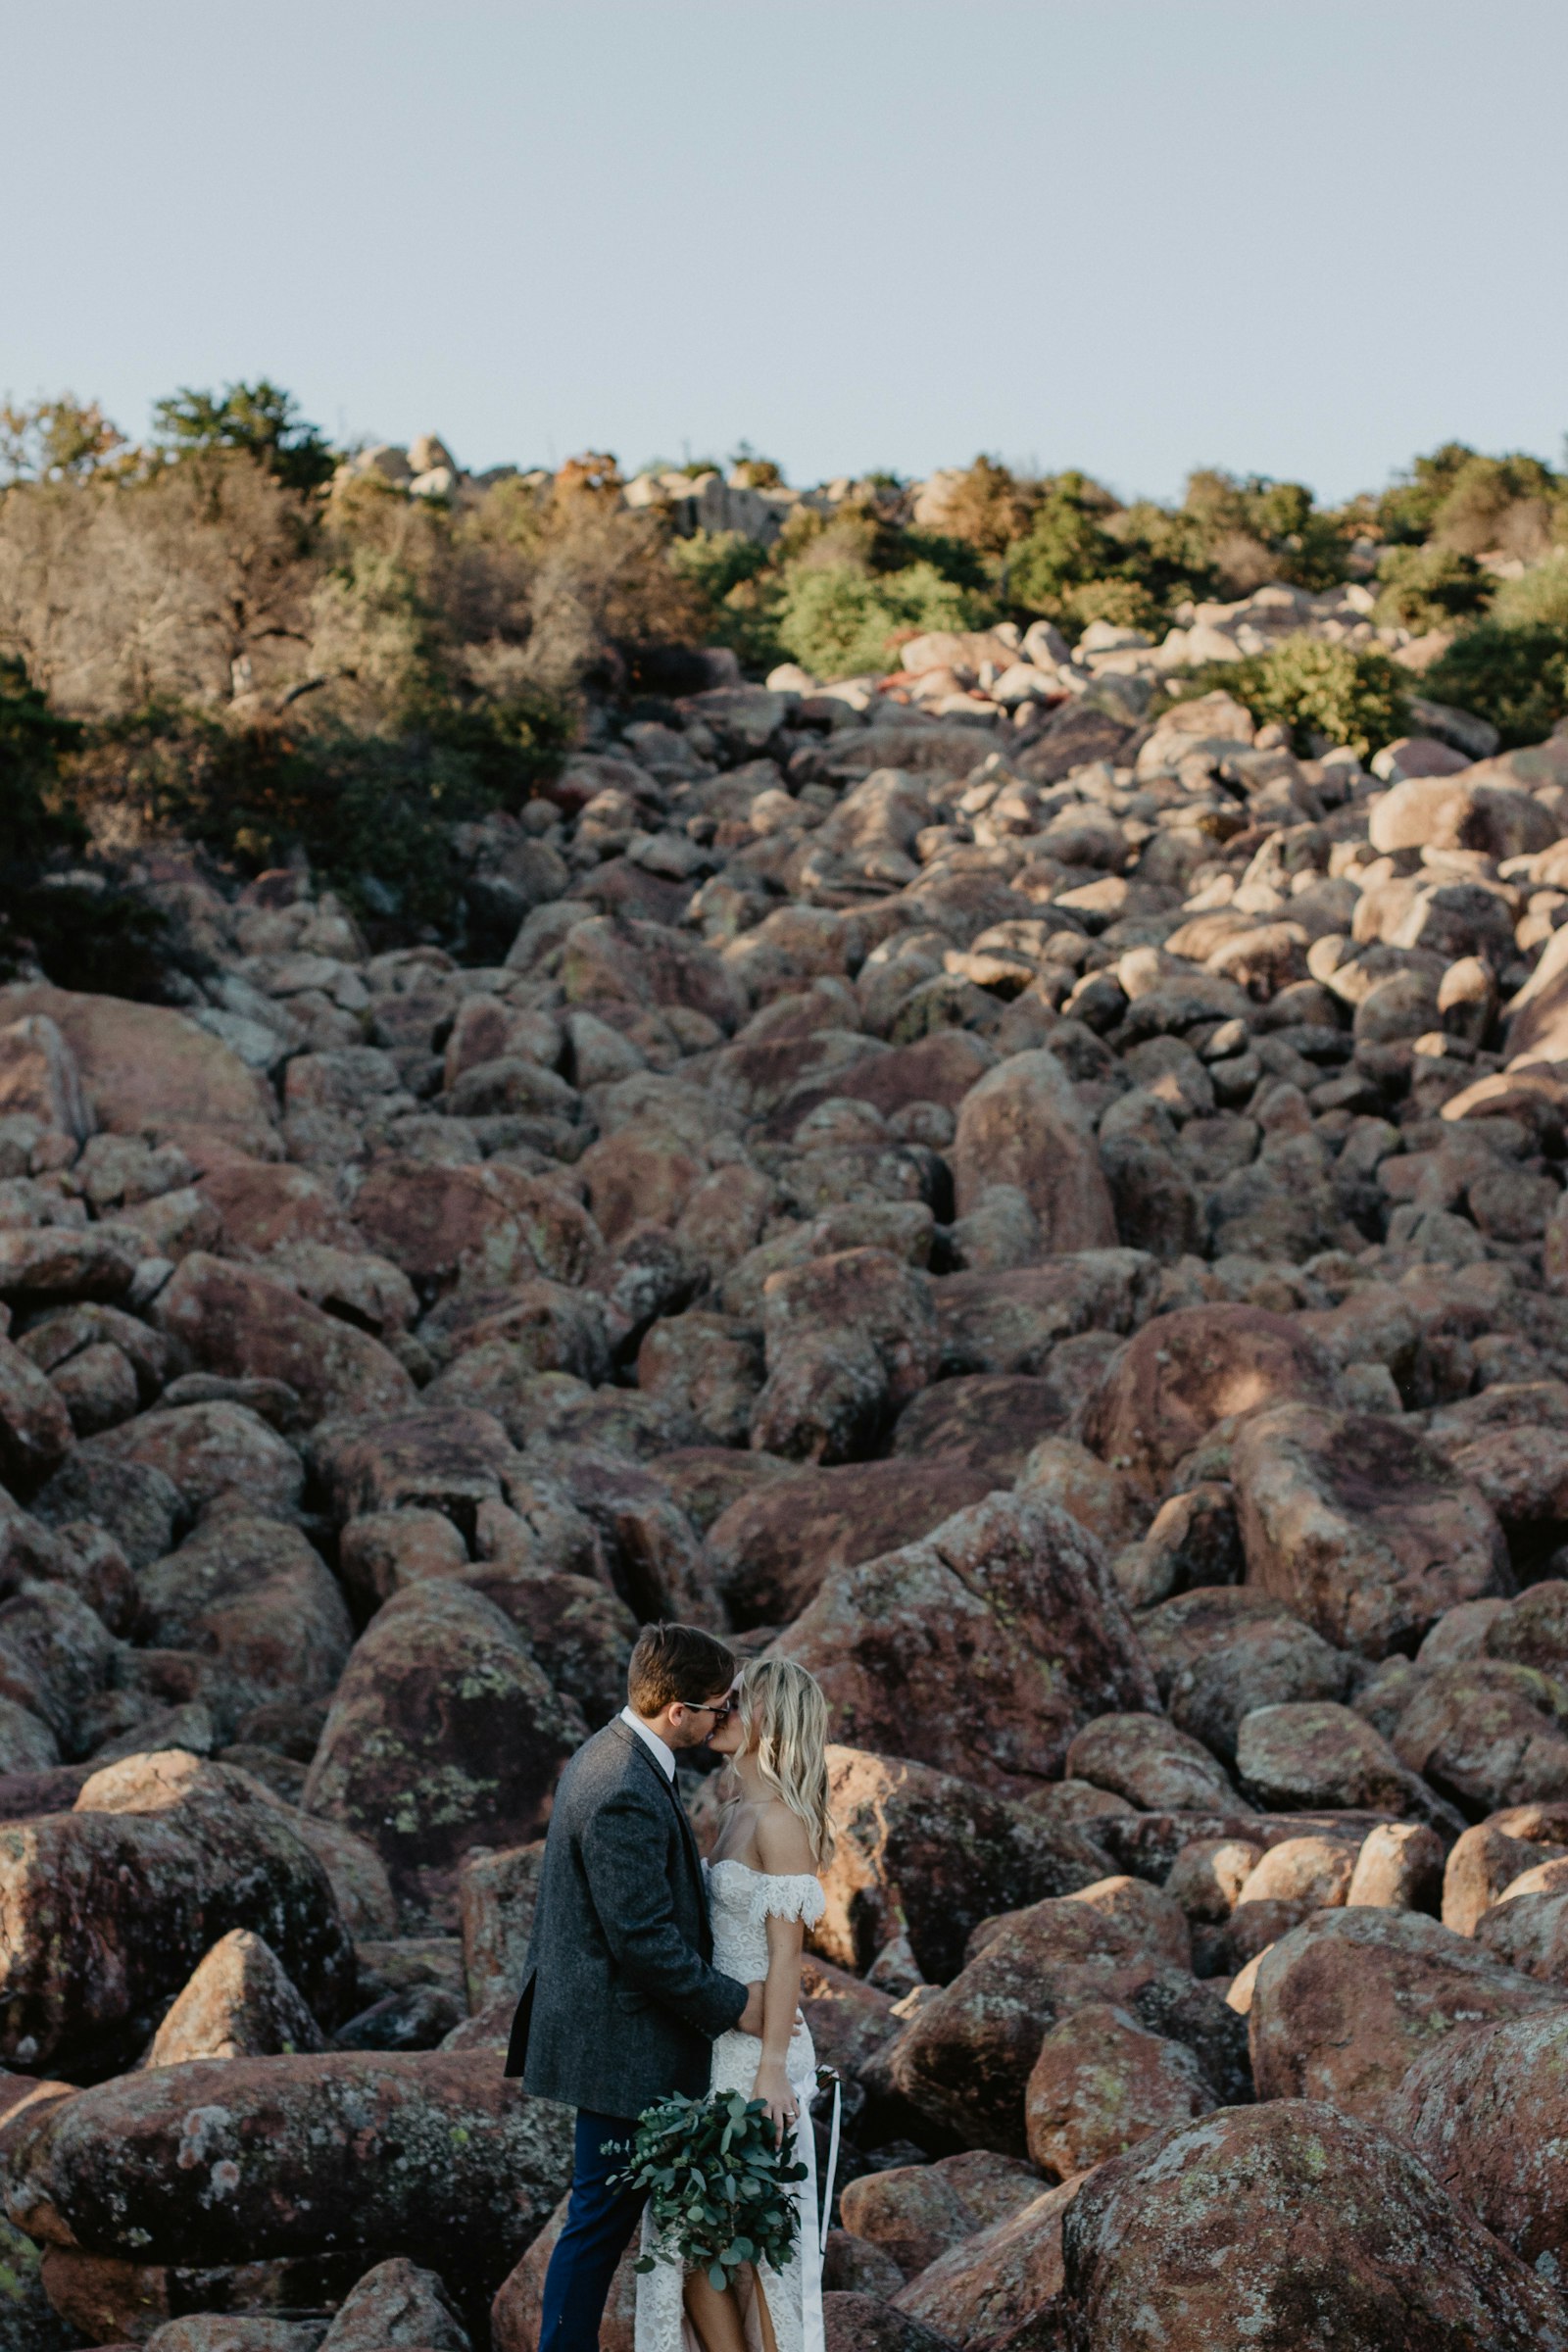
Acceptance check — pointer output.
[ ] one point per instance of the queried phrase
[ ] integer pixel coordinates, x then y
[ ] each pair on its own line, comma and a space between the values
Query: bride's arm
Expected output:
785, 1852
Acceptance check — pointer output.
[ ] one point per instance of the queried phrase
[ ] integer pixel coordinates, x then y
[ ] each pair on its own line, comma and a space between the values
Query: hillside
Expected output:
963, 1079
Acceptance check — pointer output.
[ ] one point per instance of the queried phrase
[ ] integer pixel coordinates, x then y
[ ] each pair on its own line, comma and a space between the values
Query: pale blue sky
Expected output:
1303, 239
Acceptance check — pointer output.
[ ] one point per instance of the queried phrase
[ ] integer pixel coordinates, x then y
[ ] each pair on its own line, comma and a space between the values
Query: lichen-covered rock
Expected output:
1317, 1753
1290, 2224
146, 1067
232, 1320
1360, 1528
1220, 1652
1345, 2004
497, 1890
238, 2004
1489, 1734
1022, 1125
397, 2304
1100, 2084
1013, 1602
1150, 1762
849, 1339
486, 1226
252, 1593
1003, 2277
232, 2161
862, 2323
925, 1856
443, 1735
915, 2213
1185, 1371
1009, 1322
111, 1905
208, 1450
771, 1548
965, 2056
1484, 2112
988, 1421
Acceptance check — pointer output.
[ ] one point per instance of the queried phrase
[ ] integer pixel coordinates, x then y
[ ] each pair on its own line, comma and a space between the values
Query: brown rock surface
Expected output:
217, 2162
965, 2056
1483, 2112
1360, 1528
1345, 2004
1100, 2084
115, 1903
1022, 1125
232, 1320
990, 1598
396, 2303
238, 2004
444, 1733
926, 1857
987, 2285
771, 1548
1290, 2224
1183, 1372
915, 2213
144, 1066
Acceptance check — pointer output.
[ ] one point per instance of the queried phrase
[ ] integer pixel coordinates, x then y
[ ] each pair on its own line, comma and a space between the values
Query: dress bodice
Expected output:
741, 1902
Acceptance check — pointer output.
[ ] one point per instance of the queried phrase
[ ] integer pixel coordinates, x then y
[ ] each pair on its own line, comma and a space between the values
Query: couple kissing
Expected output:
651, 1972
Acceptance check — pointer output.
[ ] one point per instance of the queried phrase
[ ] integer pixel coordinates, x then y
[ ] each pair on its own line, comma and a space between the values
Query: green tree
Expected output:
259, 418
1067, 546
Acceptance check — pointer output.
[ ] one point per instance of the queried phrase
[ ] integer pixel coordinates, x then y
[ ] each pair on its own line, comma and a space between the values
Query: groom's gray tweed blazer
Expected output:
620, 2002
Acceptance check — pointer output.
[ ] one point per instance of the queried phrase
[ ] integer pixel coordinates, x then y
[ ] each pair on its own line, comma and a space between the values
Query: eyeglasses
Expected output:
725, 1706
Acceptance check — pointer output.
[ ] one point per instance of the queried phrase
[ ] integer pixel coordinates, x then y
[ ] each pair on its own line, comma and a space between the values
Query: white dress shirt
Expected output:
651, 1742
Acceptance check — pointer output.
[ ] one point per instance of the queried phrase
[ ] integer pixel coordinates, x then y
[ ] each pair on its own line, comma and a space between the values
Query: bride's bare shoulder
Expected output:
783, 1847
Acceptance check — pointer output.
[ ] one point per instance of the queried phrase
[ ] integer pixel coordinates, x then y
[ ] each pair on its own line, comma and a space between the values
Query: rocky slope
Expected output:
1051, 1218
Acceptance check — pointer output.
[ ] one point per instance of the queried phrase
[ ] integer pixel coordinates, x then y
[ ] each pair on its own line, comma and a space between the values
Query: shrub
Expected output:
1429, 587
1473, 504
33, 742
1538, 596
1517, 677
373, 813
839, 622
737, 592
81, 929
988, 507
1124, 602
1323, 694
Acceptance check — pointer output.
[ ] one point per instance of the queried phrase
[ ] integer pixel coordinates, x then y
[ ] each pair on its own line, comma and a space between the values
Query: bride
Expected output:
764, 1894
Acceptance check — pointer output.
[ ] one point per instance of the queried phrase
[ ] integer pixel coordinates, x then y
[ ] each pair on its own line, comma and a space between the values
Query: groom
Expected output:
620, 2003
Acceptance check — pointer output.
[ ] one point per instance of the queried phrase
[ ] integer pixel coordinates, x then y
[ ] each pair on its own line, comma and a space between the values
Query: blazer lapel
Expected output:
667, 1784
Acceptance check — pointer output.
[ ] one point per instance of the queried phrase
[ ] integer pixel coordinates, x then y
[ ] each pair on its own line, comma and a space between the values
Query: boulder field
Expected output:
1051, 1217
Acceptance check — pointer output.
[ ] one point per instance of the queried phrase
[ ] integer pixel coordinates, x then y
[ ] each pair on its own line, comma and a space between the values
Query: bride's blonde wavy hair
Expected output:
783, 1716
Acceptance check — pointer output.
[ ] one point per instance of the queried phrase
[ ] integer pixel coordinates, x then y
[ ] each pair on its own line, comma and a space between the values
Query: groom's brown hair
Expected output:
677, 1661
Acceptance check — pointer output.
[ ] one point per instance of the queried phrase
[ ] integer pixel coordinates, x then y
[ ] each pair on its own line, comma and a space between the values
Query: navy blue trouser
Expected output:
600, 2221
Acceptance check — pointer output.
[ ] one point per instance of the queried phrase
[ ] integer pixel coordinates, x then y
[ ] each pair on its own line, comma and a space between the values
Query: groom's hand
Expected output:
750, 2019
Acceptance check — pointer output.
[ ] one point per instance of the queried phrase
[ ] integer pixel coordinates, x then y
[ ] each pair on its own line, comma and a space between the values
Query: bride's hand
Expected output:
772, 2084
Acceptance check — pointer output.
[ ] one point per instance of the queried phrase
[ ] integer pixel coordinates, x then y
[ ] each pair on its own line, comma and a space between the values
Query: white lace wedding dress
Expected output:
741, 1901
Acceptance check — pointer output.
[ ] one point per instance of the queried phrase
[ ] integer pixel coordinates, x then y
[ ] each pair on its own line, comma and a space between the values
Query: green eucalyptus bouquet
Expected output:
718, 2184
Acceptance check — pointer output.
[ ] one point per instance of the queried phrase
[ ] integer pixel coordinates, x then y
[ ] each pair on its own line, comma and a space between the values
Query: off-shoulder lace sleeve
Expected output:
799, 1898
